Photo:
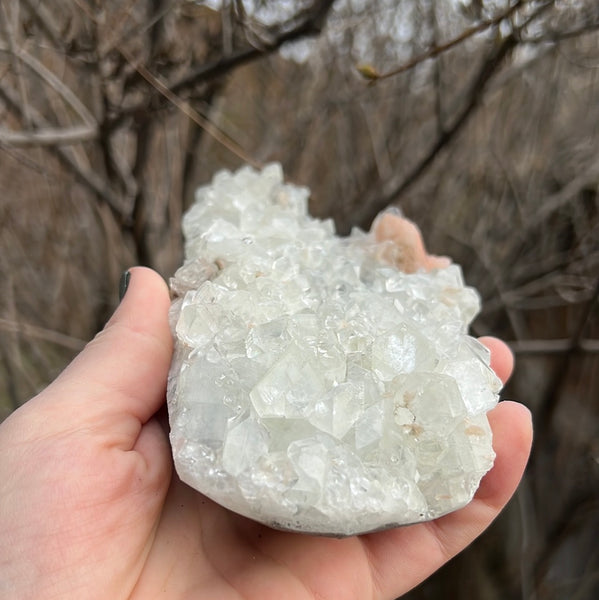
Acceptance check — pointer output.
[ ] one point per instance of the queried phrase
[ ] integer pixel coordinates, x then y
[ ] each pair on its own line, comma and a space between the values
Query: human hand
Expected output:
90, 506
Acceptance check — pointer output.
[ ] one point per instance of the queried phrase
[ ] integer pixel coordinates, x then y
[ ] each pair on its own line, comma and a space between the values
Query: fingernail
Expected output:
124, 284
393, 210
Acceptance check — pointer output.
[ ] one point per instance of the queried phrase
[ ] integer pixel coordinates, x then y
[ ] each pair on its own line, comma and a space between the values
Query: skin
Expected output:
90, 506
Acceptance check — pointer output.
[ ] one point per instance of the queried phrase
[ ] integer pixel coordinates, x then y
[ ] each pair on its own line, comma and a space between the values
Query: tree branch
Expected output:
436, 50
184, 106
308, 23
41, 333
560, 36
55, 83
365, 216
86, 176
474, 95
550, 401
559, 346
48, 137
41, 14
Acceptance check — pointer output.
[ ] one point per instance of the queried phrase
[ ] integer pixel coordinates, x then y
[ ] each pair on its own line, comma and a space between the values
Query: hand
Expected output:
90, 506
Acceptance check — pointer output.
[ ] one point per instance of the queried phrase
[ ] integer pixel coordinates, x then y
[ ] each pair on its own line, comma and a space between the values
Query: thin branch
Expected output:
26, 161
474, 95
83, 174
435, 50
9, 33
41, 333
365, 216
306, 25
48, 137
118, 36
170, 95
189, 111
527, 295
560, 36
550, 402
43, 17
309, 23
559, 346
565, 195
585, 318
55, 83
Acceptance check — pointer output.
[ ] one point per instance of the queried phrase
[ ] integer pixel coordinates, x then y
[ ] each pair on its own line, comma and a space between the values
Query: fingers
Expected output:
124, 368
404, 557
502, 359
512, 439
511, 423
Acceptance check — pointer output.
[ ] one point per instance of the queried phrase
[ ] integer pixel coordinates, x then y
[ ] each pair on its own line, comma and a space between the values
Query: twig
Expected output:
309, 24
25, 159
475, 93
559, 346
118, 36
184, 106
9, 33
43, 17
48, 136
55, 83
550, 402
41, 333
170, 95
557, 36
365, 216
86, 176
435, 50
556, 201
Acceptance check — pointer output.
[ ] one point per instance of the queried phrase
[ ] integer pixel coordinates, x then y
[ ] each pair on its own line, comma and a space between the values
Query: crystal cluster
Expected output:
314, 386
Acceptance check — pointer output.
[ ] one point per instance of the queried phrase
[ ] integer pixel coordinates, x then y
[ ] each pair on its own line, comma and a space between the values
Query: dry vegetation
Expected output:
481, 122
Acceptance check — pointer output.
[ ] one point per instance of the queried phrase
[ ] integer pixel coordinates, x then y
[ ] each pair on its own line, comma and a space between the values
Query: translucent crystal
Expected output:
314, 387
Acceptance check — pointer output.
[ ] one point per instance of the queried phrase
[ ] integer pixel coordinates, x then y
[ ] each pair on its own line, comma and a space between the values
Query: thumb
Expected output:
123, 370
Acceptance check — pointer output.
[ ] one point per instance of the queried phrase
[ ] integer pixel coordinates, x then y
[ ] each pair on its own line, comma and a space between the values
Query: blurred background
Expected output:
479, 118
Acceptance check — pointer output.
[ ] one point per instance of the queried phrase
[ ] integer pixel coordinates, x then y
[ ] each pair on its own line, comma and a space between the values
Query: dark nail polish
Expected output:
124, 284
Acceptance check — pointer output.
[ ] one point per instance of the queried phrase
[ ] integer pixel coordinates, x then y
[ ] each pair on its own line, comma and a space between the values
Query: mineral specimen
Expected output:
315, 387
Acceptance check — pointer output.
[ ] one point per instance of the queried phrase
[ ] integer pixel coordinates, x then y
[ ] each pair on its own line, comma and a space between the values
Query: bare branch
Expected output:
365, 216
435, 51
8, 28
43, 17
189, 111
550, 402
90, 179
552, 346
118, 35
560, 36
474, 95
308, 23
559, 199
48, 137
41, 333
55, 83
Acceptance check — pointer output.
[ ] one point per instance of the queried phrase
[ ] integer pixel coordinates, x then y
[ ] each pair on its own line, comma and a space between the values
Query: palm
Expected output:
201, 547
115, 528
91, 507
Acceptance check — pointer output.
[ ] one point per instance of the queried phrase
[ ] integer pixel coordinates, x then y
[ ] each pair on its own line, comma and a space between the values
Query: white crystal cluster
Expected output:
315, 387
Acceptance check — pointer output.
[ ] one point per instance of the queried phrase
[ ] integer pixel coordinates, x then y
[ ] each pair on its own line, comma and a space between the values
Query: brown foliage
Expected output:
481, 125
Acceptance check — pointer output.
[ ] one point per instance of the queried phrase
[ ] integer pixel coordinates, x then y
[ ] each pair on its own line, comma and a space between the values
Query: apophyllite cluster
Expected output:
316, 387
